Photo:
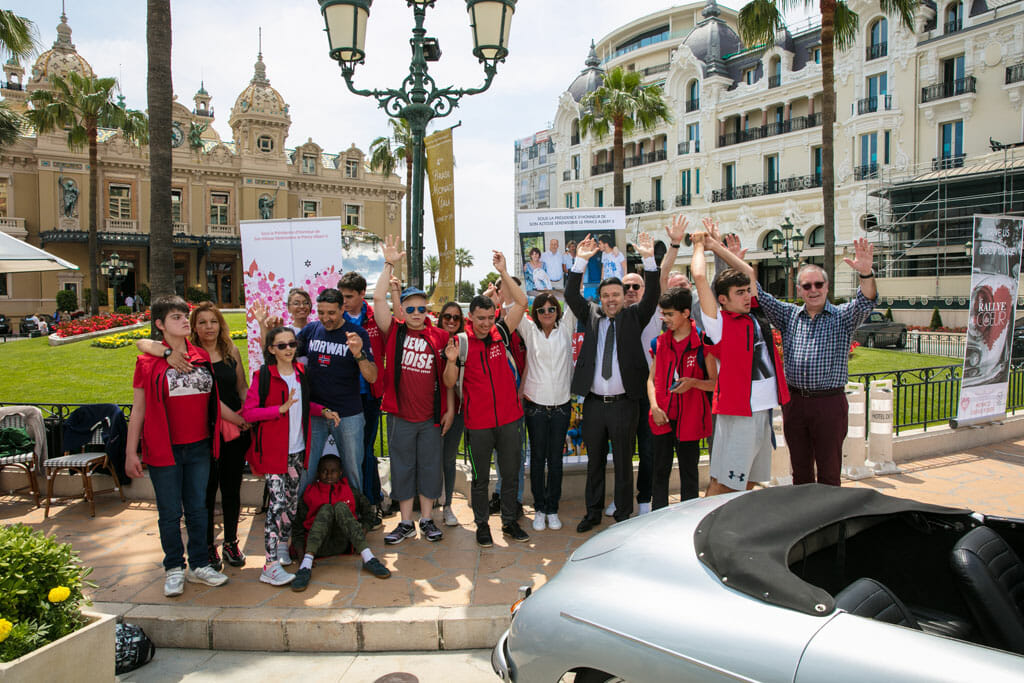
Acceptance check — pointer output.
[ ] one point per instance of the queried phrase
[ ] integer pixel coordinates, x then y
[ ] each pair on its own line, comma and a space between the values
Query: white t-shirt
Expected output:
612, 264
296, 439
650, 333
553, 265
764, 393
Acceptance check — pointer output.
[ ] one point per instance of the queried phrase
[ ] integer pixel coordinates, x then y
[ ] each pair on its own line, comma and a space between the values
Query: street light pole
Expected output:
419, 99
781, 245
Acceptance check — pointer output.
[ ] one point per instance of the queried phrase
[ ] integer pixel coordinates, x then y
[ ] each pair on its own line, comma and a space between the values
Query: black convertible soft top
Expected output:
747, 541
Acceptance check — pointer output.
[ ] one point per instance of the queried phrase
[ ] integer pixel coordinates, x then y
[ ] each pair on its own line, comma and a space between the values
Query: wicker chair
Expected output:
92, 458
25, 462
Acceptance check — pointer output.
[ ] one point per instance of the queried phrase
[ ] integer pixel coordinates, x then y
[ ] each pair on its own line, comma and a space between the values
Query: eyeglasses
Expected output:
281, 346
415, 309
633, 286
451, 316
817, 285
300, 304
547, 309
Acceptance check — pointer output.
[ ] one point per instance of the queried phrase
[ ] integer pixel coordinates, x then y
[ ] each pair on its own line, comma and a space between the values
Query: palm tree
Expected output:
463, 259
159, 92
760, 20
432, 264
82, 105
621, 104
17, 40
385, 160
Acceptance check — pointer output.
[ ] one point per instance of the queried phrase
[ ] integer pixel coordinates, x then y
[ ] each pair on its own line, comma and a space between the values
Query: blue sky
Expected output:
216, 41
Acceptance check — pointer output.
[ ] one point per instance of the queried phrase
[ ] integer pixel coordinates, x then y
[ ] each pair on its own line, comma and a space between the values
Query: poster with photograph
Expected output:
540, 227
994, 280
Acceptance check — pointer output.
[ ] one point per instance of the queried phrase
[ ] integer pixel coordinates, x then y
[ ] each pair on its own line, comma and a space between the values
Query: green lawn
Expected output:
884, 360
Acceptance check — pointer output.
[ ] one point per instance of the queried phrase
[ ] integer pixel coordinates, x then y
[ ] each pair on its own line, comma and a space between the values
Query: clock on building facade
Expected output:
177, 135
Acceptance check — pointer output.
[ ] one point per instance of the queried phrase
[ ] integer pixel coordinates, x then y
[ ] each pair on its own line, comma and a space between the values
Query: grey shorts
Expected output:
742, 450
414, 449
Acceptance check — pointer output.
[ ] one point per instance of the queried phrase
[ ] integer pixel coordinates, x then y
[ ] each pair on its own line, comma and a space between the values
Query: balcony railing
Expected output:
792, 184
774, 81
599, 169
647, 158
954, 26
876, 51
865, 171
574, 139
222, 230
645, 207
122, 225
14, 226
683, 199
1015, 73
11, 85
778, 128
693, 105
943, 163
940, 91
868, 105
180, 228
656, 69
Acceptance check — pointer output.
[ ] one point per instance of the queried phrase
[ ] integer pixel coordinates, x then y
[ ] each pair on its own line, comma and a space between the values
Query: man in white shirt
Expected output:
613, 261
554, 266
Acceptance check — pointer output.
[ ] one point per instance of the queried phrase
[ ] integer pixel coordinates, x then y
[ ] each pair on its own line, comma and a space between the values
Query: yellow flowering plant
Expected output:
41, 583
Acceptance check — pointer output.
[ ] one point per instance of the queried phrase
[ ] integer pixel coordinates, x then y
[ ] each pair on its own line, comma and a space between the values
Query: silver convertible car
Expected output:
797, 584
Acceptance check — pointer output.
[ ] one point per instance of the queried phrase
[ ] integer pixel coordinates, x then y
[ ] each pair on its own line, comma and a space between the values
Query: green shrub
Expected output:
123, 309
142, 292
67, 300
86, 301
40, 590
936, 319
888, 313
196, 295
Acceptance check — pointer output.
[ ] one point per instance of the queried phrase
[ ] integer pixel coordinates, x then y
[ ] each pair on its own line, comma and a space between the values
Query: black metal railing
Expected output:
1015, 73
683, 199
11, 85
774, 81
599, 169
940, 91
645, 158
777, 128
943, 163
936, 344
877, 51
645, 207
693, 104
792, 184
656, 69
954, 26
922, 397
868, 105
865, 171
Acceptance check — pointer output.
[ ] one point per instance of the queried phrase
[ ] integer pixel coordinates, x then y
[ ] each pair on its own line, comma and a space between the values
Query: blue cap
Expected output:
413, 291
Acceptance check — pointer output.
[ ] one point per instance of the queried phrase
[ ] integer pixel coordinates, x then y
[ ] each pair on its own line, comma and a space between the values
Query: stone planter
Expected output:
83, 656
54, 340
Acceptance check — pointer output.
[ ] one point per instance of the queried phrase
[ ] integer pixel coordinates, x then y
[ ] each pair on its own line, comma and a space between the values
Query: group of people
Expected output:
662, 365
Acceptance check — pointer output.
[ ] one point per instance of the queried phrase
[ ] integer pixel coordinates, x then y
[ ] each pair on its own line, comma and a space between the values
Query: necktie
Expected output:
609, 350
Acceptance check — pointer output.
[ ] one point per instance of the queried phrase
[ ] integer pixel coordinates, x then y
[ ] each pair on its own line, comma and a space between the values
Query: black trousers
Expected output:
688, 453
226, 474
604, 422
507, 441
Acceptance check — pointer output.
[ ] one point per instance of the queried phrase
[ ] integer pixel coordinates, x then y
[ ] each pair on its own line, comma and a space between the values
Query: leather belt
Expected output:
608, 399
809, 393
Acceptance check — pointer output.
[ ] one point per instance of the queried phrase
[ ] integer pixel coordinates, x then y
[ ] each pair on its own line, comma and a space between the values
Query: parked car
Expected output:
1017, 343
5, 325
29, 328
878, 330
794, 583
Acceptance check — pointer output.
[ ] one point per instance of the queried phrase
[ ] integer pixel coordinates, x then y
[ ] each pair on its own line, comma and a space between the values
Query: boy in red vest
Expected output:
751, 382
335, 520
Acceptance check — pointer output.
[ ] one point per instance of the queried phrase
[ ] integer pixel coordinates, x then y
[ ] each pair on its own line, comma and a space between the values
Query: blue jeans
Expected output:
371, 477
547, 427
348, 437
522, 462
182, 486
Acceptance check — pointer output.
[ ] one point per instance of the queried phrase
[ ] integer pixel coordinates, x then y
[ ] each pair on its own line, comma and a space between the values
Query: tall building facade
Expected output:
926, 125
535, 167
215, 184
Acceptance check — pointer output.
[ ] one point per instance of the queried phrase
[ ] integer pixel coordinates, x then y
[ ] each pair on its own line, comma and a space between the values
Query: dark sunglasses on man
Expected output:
415, 309
817, 284
632, 285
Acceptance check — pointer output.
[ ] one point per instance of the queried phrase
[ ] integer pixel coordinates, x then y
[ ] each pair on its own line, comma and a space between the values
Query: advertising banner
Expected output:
994, 280
441, 174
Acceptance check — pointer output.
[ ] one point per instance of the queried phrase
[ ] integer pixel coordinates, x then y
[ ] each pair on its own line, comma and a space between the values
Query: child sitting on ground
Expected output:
335, 520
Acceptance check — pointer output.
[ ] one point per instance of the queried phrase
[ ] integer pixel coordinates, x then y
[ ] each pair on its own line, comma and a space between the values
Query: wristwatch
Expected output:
361, 357
868, 276
167, 353
674, 246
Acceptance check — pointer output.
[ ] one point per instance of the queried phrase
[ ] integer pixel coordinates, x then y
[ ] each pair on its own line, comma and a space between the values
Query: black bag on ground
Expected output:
133, 648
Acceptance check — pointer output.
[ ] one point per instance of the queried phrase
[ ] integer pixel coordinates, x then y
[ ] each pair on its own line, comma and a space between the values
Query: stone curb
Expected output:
303, 629
54, 340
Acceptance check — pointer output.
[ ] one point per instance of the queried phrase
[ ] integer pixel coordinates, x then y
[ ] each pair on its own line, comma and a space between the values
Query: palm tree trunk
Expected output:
94, 260
619, 194
159, 96
828, 118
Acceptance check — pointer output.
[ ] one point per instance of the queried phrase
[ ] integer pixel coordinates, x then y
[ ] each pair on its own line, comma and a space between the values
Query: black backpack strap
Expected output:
264, 385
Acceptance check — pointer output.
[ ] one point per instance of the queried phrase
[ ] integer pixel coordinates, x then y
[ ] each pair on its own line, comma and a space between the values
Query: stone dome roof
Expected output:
590, 79
259, 98
712, 38
59, 60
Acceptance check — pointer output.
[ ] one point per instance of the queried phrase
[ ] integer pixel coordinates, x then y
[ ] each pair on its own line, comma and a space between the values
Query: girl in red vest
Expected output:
278, 406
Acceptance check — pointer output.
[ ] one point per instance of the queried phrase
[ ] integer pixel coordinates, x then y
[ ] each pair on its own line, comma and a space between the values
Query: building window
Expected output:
120, 201
952, 140
599, 197
3, 198
309, 164
780, 114
869, 149
4, 291
219, 204
351, 168
749, 76
885, 153
693, 96
728, 175
265, 143
771, 172
775, 69
175, 206
952, 73
816, 238
816, 163
878, 39
954, 16
696, 186
693, 135
352, 214
656, 189
577, 200
629, 193
816, 55
568, 200
310, 208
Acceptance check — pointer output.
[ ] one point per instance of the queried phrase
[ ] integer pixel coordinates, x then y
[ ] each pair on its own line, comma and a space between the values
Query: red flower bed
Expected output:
98, 323
925, 328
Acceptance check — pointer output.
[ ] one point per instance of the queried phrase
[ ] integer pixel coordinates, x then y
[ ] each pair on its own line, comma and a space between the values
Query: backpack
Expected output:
463, 338
132, 648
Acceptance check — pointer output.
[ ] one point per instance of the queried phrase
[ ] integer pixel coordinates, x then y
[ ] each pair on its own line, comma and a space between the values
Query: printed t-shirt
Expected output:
613, 265
764, 392
296, 439
332, 371
420, 354
188, 399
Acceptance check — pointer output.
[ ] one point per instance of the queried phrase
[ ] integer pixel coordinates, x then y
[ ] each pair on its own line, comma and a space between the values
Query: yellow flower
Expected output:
59, 594
5, 629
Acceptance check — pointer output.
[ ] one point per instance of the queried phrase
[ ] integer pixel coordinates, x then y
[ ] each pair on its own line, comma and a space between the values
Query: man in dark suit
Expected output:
611, 372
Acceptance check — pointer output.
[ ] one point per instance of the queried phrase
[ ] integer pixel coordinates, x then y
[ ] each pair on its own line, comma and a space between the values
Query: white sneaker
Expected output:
449, 517
283, 556
643, 508
610, 510
174, 582
538, 521
207, 575
554, 522
275, 575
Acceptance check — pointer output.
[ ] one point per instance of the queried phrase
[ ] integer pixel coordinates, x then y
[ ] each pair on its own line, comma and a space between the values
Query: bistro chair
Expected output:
24, 462
92, 457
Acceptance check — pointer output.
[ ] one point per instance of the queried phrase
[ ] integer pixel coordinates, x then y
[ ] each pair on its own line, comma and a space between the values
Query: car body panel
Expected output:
885, 332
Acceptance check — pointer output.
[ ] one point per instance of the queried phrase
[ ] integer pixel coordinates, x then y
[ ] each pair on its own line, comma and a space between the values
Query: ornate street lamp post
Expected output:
781, 245
116, 271
419, 99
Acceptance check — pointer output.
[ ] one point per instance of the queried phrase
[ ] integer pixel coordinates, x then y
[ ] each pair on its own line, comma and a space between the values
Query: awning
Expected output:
21, 257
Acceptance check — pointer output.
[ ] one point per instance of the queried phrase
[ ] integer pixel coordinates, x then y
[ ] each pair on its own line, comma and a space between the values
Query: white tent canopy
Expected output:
21, 257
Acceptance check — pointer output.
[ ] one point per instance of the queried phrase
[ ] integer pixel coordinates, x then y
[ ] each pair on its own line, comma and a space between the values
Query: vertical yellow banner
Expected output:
441, 174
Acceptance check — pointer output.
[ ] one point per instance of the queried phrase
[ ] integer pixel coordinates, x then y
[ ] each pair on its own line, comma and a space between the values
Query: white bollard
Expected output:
782, 469
855, 445
880, 439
